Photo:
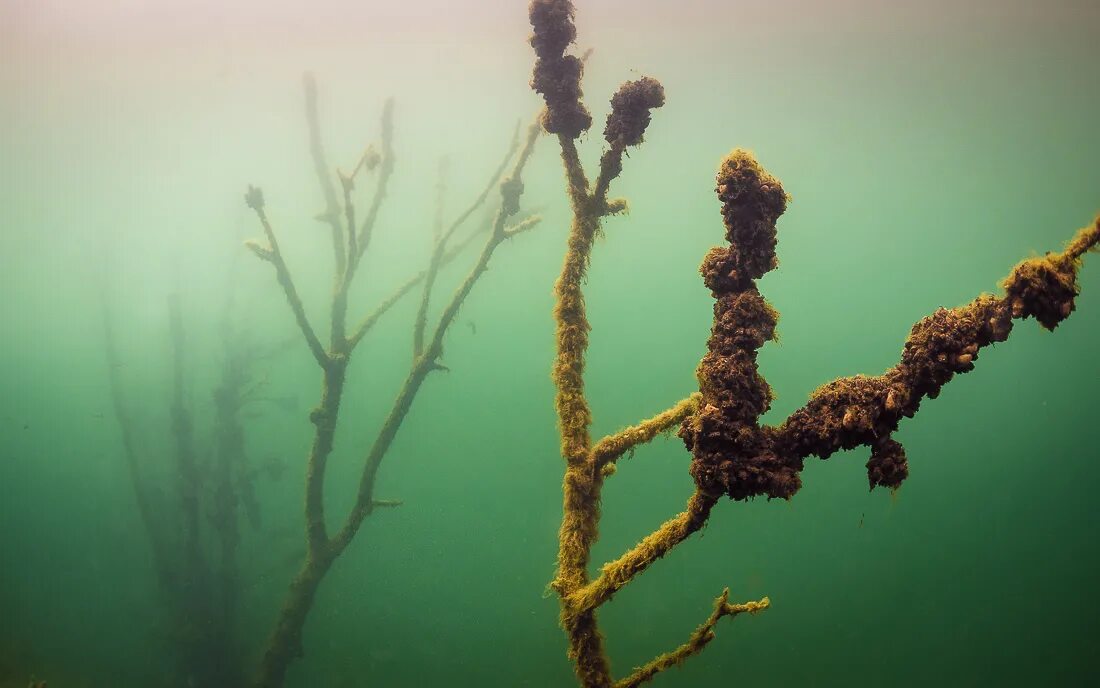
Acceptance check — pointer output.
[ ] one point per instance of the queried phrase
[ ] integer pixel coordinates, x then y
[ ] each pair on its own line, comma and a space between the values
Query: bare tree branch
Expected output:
271, 253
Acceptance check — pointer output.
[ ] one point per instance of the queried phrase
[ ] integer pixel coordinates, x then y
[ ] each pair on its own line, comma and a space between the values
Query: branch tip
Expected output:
262, 252
254, 198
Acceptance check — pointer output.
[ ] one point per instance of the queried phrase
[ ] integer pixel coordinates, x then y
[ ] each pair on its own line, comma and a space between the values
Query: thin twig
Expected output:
390, 301
441, 244
699, 639
384, 174
321, 169
427, 362
273, 255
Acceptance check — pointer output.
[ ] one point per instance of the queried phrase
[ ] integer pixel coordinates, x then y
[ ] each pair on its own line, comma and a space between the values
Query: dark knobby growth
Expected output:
732, 455
588, 463
1044, 288
887, 466
557, 76
626, 123
630, 111
735, 456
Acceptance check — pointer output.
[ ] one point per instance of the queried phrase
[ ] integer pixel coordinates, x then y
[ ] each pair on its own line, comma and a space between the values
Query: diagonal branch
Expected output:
331, 214
608, 450
255, 200
384, 174
615, 574
611, 164
432, 270
699, 639
187, 469
525, 225
390, 301
441, 244
510, 190
864, 410
426, 363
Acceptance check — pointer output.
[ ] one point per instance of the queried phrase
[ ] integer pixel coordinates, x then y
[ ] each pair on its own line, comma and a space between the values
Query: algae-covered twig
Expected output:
732, 453
351, 238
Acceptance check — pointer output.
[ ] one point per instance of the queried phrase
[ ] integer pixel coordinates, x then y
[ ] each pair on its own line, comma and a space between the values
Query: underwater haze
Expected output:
160, 400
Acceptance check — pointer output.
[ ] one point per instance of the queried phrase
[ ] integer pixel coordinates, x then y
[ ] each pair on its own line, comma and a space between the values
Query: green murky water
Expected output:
927, 150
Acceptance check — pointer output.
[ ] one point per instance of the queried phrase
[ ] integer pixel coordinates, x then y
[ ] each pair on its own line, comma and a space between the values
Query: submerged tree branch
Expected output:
322, 549
440, 245
698, 640
272, 254
331, 213
615, 574
428, 360
608, 450
384, 174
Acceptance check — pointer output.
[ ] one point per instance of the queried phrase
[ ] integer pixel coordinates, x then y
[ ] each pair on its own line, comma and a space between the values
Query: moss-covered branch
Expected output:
732, 453
698, 640
557, 77
609, 449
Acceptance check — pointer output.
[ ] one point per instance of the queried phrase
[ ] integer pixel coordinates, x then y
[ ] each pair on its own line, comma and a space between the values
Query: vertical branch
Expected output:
557, 76
339, 313
159, 542
284, 643
202, 653
433, 265
183, 434
510, 188
384, 173
439, 249
228, 454
231, 485
331, 214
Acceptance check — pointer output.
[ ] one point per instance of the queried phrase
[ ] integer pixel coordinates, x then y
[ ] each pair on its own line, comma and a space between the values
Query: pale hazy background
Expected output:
928, 147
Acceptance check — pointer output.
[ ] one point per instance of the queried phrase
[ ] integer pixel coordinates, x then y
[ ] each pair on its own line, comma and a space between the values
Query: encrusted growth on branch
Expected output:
588, 463
733, 454
630, 111
723, 434
557, 76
